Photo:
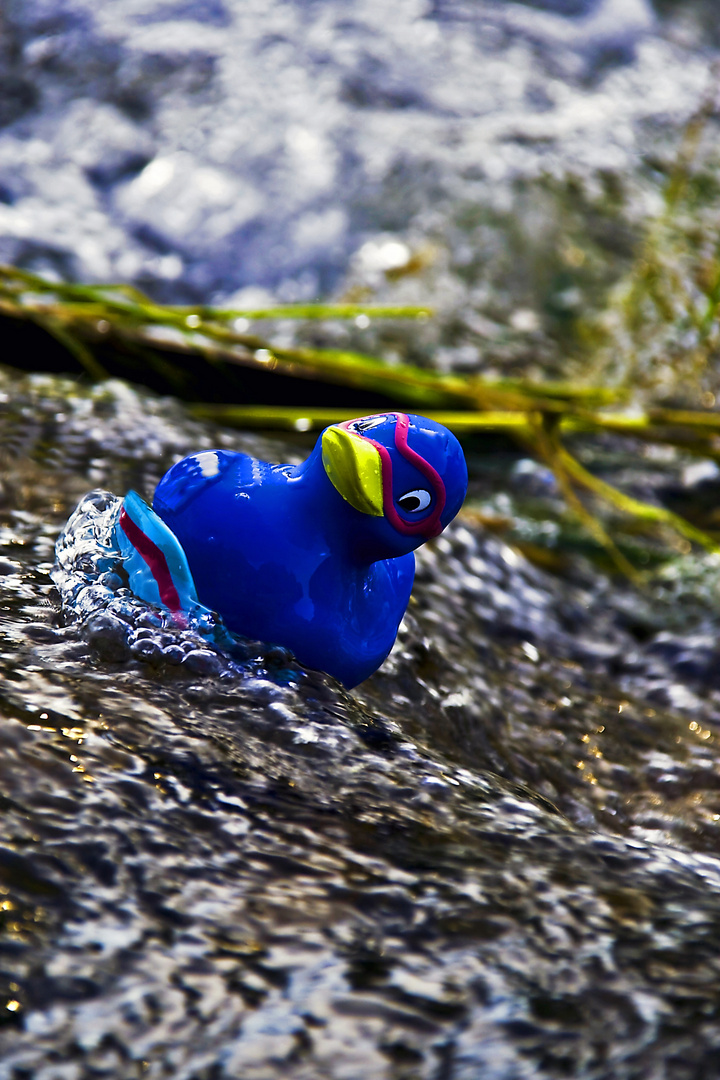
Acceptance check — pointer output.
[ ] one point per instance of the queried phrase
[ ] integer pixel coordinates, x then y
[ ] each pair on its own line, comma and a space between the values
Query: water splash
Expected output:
94, 591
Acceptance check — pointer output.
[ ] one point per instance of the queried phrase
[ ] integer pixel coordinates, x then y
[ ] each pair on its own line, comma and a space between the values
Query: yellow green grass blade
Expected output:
536, 413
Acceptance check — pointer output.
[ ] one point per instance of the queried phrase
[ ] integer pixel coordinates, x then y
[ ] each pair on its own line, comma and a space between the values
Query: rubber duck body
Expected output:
316, 557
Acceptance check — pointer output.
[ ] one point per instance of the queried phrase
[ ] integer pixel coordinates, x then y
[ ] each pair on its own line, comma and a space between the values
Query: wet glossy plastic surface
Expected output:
285, 557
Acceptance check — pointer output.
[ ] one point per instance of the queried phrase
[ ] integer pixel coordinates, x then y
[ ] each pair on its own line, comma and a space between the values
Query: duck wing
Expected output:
153, 558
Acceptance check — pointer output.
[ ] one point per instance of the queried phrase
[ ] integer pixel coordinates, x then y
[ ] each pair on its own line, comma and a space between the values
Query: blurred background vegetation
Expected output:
614, 335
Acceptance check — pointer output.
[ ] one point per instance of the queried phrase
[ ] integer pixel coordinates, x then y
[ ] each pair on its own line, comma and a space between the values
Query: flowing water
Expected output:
495, 858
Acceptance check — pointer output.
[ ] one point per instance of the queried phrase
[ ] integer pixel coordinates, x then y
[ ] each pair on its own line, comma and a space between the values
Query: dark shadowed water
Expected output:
495, 859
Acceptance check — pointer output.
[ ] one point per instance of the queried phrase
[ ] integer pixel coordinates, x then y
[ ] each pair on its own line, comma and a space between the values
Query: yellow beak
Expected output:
355, 469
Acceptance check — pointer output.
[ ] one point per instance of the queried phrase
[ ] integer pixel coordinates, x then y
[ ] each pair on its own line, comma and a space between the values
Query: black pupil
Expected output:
410, 502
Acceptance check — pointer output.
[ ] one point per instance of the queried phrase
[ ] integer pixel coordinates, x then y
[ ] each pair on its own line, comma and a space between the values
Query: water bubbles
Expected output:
108, 635
146, 649
202, 662
121, 628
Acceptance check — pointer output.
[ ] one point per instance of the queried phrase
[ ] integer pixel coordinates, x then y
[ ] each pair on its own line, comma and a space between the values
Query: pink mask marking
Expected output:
429, 526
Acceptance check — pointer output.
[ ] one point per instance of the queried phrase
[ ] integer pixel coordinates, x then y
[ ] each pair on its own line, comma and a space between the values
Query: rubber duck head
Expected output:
400, 479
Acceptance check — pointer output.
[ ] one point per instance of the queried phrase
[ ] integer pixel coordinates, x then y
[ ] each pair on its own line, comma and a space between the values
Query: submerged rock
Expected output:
496, 858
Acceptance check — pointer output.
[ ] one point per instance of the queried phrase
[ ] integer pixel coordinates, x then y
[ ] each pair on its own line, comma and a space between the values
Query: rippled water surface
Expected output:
496, 858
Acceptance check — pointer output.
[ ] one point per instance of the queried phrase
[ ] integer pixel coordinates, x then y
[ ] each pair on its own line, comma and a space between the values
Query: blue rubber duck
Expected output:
316, 557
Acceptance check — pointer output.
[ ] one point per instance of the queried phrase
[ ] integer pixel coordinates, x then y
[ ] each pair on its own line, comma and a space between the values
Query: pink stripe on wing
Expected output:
155, 559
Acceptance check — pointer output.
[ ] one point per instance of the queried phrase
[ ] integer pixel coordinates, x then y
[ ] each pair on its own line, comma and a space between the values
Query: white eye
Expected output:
367, 422
414, 501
